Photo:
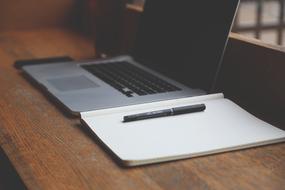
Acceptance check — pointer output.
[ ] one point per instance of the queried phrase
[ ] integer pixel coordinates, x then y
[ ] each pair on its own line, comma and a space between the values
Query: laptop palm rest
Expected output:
72, 83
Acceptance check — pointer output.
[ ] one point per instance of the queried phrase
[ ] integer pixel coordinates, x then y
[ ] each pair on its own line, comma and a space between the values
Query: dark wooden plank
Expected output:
253, 76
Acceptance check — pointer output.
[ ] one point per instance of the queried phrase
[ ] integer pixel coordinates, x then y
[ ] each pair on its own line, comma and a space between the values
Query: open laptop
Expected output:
177, 54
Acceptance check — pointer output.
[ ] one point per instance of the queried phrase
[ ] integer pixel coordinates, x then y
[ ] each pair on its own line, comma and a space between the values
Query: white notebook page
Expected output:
223, 126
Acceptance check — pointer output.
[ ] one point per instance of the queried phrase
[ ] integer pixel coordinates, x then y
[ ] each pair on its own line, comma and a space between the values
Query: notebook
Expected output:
223, 126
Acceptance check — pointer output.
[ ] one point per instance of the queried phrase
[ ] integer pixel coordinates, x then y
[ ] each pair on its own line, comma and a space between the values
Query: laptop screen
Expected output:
185, 39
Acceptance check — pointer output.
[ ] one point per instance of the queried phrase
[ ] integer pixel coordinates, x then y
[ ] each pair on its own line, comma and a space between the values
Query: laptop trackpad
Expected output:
72, 83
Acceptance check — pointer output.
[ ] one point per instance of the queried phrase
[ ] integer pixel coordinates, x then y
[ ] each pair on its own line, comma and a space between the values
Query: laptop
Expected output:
177, 54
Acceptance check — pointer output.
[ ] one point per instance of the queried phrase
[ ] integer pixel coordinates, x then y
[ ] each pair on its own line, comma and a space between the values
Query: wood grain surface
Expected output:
15, 14
51, 150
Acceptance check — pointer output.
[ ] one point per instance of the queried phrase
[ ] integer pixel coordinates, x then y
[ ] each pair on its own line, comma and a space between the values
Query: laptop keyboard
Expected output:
129, 79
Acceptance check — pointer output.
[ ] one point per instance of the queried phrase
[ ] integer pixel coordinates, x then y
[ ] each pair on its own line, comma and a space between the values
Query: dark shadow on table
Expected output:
9, 179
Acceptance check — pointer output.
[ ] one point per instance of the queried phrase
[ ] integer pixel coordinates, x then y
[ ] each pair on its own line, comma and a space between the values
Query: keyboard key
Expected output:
130, 79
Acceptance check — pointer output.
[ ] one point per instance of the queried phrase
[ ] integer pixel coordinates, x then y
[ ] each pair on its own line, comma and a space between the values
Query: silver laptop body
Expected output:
187, 39
79, 90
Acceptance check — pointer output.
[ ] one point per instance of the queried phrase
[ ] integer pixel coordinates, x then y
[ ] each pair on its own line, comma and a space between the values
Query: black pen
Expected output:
165, 112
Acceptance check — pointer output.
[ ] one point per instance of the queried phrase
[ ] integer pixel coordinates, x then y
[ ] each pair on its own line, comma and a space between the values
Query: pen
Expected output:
165, 112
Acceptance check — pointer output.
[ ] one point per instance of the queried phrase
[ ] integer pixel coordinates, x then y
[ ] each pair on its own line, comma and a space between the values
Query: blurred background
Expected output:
261, 19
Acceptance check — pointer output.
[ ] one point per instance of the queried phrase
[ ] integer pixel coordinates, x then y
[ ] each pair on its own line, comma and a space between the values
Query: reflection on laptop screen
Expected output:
185, 39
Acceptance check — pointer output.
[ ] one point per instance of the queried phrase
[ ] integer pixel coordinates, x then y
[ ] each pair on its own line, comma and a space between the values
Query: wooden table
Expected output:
51, 150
